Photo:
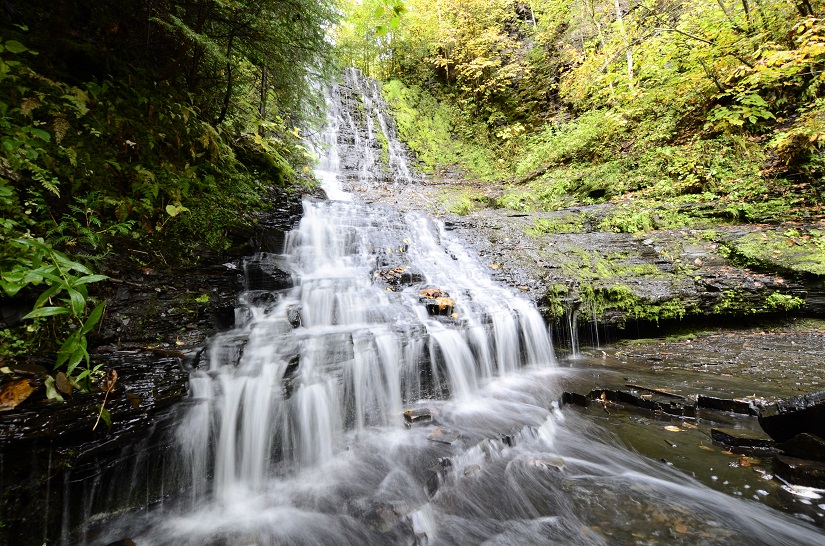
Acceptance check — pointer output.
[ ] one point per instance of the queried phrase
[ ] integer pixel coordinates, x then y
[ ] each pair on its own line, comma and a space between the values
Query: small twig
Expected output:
110, 381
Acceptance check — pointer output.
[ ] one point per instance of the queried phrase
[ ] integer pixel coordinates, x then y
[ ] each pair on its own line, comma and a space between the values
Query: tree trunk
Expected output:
623, 31
262, 104
227, 96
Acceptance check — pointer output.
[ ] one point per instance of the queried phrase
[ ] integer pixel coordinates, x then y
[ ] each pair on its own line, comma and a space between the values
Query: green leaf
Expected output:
69, 264
93, 318
394, 22
381, 30
14, 46
78, 302
41, 134
89, 279
67, 349
75, 359
46, 312
51, 291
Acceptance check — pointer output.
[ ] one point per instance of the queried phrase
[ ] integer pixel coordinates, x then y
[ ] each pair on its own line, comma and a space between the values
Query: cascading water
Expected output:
295, 429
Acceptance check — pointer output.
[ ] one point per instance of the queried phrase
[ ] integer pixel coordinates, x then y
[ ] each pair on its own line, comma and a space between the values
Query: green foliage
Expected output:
167, 133
585, 138
588, 101
36, 263
431, 129
785, 302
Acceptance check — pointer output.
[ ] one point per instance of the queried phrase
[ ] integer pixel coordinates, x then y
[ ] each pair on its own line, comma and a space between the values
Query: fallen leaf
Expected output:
63, 383
134, 399
706, 448
495, 266
671, 428
431, 293
680, 528
444, 303
689, 425
14, 393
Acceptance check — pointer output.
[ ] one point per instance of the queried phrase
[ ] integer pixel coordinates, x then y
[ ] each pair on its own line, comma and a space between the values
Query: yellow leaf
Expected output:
671, 428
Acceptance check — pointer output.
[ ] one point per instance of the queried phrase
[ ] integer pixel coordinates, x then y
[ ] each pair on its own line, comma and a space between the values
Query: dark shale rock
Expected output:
434, 475
805, 446
797, 415
575, 398
800, 471
670, 404
418, 415
739, 437
444, 436
725, 404
263, 273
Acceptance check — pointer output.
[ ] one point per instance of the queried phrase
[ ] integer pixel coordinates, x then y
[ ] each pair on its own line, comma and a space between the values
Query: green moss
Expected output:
463, 201
623, 299
792, 250
784, 302
569, 223
733, 302
553, 301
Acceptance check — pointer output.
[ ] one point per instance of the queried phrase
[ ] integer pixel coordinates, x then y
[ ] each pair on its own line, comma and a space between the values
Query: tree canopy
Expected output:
658, 85
154, 129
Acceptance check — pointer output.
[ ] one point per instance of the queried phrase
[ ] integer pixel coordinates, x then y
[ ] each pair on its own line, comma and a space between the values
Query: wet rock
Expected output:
28, 368
434, 475
575, 398
805, 446
399, 276
62, 383
264, 272
800, 471
738, 437
548, 463
608, 398
293, 315
793, 416
437, 301
725, 404
122, 542
444, 436
417, 415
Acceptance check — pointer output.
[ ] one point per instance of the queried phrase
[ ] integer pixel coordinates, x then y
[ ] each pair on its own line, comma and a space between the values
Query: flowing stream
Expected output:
353, 408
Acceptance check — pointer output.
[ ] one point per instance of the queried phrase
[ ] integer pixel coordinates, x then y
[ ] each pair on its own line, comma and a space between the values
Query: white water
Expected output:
295, 433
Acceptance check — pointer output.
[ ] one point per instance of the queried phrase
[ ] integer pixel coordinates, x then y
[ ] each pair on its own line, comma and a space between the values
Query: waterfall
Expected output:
395, 394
